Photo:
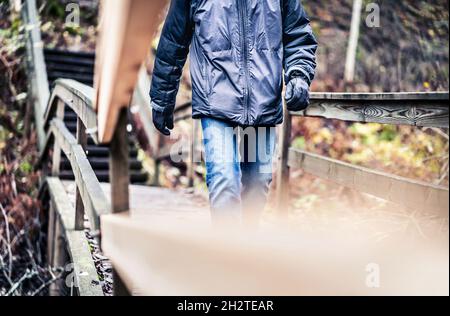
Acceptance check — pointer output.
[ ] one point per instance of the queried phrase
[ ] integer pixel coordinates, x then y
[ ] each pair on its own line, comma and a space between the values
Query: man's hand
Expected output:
297, 94
163, 121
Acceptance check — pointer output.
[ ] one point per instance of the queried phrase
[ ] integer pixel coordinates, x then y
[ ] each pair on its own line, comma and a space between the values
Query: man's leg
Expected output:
223, 174
258, 147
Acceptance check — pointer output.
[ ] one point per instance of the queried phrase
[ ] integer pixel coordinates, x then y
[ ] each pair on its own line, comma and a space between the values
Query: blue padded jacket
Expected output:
238, 51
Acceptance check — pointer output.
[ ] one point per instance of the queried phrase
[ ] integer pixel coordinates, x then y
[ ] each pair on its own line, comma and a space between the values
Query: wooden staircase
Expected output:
80, 66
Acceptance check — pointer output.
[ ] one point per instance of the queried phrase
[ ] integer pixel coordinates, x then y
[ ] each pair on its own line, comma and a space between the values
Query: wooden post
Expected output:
119, 178
56, 159
353, 41
60, 258
156, 172
79, 207
192, 153
157, 151
118, 166
282, 193
56, 247
51, 234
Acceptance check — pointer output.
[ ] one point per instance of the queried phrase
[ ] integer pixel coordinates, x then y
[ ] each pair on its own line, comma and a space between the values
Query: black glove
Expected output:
297, 94
163, 121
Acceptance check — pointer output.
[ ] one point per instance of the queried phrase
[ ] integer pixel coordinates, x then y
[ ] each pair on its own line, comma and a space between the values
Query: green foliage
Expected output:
73, 29
299, 142
55, 9
403, 150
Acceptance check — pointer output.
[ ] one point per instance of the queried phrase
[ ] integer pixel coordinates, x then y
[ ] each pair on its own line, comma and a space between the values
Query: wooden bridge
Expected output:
160, 241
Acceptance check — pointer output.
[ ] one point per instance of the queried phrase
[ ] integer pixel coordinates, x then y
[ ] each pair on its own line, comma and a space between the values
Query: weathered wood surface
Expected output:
412, 194
417, 109
38, 81
282, 193
84, 274
119, 171
56, 159
63, 207
157, 203
126, 30
78, 97
378, 96
184, 258
51, 234
94, 200
79, 206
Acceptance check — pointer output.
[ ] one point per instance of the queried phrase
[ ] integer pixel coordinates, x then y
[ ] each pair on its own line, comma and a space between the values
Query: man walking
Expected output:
238, 52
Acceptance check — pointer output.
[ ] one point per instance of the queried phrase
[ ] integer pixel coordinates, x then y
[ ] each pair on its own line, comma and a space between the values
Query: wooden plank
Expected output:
119, 171
426, 113
78, 97
56, 159
84, 273
282, 193
51, 234
94, 200
158, 203
61, 203
378, 96
126, 30
412, 194
79, 207
59, 256
185, 259
193, 158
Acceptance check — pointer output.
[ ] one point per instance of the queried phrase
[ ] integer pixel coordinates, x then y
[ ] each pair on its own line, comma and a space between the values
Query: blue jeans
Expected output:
239, 169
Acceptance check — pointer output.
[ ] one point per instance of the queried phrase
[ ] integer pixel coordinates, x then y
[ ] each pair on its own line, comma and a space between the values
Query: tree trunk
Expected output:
353, 42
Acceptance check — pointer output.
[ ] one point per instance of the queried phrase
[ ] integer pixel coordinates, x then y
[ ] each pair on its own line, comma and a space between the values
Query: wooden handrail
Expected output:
414, 195
78, 97
65, 222
85, 277
93, 197
377, 96
416, 109
37, 72
126, 30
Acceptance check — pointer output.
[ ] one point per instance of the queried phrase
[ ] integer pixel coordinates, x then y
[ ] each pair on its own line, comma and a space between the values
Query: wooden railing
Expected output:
67, 241
66, 222
416, 109
102, 114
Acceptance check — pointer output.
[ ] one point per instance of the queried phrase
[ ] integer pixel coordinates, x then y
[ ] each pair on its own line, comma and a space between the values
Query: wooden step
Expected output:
103, 176
102, 163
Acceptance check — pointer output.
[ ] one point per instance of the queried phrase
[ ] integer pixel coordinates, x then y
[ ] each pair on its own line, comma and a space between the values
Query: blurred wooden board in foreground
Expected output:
166, 246
126, 31
174, 257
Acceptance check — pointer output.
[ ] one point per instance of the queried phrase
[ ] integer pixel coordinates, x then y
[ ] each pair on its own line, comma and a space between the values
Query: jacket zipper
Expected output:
244, 46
